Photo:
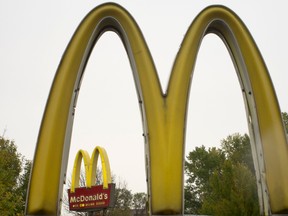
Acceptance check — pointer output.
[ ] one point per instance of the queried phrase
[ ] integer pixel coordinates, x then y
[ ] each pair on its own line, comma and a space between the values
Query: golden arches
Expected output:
164, 115
90, 165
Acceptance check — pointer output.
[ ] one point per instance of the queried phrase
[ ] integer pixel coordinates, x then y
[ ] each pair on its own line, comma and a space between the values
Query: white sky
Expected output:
34, 35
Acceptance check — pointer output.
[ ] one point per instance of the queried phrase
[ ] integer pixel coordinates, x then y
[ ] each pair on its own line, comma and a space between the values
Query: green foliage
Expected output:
285, 120
234, 192
237, 148
10, 160
139, 200
13, 184
222, 181
199, 166
24, 179
123, 203
139, 203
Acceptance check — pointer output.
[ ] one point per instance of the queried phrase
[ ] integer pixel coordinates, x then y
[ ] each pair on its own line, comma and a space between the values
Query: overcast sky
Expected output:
34, 35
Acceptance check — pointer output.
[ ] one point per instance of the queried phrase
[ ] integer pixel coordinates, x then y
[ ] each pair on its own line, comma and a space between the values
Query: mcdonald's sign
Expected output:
163, 113
92, 197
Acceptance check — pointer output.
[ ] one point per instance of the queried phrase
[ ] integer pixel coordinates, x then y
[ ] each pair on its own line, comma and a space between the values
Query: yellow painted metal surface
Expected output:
90, 165
81, 154
164, 115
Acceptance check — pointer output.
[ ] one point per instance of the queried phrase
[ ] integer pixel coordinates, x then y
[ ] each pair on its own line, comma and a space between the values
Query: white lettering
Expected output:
82, 198
72, 199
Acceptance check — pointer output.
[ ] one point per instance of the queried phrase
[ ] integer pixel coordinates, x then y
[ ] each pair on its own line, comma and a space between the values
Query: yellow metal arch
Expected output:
50, 161
90, 168
164, 115
77, 169
263, 114
106, 173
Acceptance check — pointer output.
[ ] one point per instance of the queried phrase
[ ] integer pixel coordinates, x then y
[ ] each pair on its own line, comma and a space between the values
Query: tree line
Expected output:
219, 181
14, 178
222, 181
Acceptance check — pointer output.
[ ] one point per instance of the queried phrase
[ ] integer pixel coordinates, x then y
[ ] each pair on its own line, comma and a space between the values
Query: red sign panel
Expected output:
89, 199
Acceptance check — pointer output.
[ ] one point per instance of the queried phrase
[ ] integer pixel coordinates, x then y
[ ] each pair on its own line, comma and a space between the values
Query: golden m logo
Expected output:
90, 165
164, 114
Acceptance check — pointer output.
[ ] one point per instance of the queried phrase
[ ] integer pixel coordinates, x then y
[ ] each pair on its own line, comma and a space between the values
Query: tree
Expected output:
234, 192
24, 179
237, 148
199, 166
12, 188
123, 203
285, 120
222, 181
139, 202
